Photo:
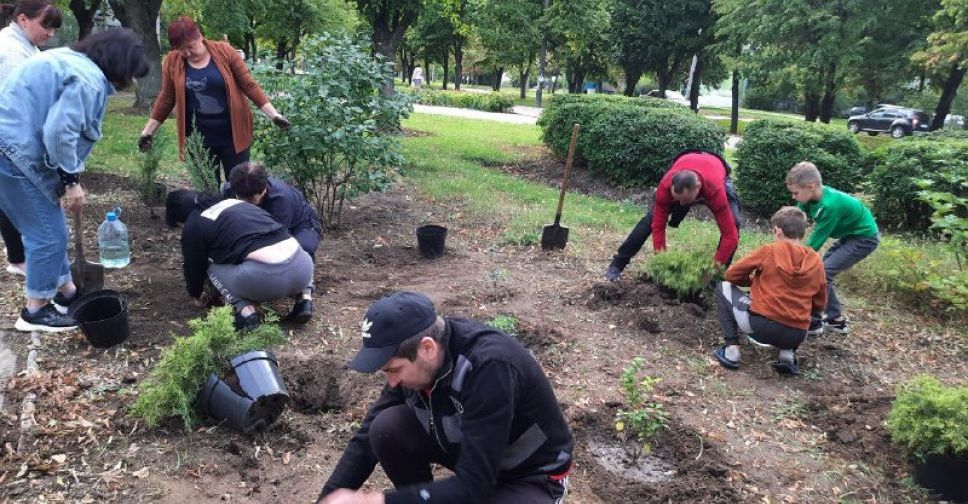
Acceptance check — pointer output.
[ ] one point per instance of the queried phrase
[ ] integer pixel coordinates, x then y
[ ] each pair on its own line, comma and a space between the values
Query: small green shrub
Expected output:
644, 417
894, 181
947, 134
487, 102
505, 323
771, 147
928, 418
148, 164
950, 220
199, 165
171, 387
633, 147
683, 272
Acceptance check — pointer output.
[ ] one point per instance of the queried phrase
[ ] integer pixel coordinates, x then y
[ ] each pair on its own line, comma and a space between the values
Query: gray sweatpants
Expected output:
254, 282
733, 306
841, 256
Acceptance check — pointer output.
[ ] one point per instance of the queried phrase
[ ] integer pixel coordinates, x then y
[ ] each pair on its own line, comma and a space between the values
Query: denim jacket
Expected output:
51, 109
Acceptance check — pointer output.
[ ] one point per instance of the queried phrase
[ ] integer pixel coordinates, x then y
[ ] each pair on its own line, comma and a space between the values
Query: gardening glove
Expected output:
144, 143
281, 121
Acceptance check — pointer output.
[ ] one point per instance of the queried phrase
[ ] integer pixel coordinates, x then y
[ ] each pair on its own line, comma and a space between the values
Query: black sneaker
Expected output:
816, 328
612, 273
63, 303
301, 312
246, 324
837, 327
47, 319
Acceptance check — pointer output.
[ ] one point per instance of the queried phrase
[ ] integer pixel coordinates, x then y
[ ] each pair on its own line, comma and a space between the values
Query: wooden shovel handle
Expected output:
78, 239
564, 181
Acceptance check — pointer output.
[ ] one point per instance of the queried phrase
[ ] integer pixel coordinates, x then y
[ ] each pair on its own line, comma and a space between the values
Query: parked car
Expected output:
954, 120
897, 121
853, 111
673, 96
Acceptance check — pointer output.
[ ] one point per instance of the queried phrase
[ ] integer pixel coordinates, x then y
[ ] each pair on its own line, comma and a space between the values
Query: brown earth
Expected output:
743, 436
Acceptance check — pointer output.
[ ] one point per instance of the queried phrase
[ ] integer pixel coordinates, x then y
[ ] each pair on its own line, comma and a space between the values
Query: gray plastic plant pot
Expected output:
219, 401
258, 377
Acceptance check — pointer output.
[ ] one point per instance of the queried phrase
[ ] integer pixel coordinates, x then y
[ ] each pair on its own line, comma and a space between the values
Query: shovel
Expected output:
555, 236
88, 276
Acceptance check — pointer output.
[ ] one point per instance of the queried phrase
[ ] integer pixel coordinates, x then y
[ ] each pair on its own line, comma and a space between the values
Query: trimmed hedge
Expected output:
629, 140
897, 167
487, 102
771, 147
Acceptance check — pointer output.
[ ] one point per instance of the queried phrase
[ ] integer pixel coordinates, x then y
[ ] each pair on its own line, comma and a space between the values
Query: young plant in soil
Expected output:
643, 417
683, 272
505, 323
171, 387
198, 164
930, 418
149, 162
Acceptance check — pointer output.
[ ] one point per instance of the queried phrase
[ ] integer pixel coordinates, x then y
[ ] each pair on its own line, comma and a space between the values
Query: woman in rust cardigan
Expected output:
208, 82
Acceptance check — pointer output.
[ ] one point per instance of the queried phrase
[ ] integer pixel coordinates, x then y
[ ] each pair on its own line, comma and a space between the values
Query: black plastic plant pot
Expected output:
946, 475
430, 240
102, 316
219, 401
258, 377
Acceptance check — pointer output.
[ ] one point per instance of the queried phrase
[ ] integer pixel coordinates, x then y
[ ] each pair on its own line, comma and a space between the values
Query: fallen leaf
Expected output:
60, 458
141, 473
285, 458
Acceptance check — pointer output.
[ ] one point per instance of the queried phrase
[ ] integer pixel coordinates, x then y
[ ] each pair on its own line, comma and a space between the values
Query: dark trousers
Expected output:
641, 232
406, 452
841, 256
309, 241
227, 158
11, 237
733, 307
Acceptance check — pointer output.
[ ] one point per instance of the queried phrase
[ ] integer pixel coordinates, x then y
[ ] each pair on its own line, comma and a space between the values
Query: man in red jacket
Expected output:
695, 177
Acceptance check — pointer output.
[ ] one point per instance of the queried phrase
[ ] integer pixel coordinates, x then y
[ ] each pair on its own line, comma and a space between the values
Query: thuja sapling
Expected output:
643, 417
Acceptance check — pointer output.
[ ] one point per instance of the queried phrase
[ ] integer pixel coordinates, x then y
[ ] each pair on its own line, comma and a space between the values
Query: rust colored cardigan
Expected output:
239, 84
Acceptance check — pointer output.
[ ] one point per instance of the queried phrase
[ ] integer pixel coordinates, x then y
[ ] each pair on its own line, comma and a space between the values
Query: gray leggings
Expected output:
254, 282
733, 306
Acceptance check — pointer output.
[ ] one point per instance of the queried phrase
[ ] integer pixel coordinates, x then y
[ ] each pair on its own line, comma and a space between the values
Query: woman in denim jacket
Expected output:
51, 109
32, 24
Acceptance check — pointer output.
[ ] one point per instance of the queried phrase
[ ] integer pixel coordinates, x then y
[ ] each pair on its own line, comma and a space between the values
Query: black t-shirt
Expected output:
207, 104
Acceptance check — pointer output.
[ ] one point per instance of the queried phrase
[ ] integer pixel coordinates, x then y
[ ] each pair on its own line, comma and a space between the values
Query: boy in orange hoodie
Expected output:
787, 283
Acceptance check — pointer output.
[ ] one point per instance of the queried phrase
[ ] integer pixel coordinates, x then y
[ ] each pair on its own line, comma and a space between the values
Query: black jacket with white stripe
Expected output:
492, 406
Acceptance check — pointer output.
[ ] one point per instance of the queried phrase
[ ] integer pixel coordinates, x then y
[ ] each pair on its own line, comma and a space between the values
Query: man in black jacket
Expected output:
460, 394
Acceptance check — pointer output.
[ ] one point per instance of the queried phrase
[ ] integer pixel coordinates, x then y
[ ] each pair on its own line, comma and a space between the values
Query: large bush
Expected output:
897, 169
771, 147
629, 140
342, 142
488, 102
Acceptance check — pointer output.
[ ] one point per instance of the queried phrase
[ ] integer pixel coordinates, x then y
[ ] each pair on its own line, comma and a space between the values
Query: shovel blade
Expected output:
88, 276
554, 237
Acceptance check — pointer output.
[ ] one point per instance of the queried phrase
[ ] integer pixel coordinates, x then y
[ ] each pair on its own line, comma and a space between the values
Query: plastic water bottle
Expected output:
112, 241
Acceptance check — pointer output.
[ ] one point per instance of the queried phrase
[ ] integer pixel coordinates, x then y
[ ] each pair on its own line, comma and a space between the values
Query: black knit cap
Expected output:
389, 322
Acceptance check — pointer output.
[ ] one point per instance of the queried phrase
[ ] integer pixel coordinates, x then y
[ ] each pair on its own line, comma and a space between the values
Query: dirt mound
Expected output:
854, 426
320, 383
684, 466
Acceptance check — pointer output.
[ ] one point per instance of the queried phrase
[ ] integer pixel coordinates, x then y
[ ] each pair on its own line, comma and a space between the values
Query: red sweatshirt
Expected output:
712, 176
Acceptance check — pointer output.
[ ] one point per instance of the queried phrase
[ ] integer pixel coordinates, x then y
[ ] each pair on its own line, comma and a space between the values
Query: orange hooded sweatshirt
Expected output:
787, 279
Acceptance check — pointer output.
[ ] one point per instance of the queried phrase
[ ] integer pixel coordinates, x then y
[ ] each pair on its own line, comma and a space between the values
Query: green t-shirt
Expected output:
838, 215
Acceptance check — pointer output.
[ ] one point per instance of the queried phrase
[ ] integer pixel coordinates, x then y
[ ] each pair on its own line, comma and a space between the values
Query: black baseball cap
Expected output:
388, 322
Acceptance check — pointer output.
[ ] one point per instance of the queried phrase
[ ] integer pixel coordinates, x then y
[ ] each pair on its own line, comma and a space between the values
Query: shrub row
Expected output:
487, 102
629, 140
771, 147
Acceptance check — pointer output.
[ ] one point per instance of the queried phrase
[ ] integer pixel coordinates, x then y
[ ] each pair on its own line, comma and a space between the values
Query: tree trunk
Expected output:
554, 82
280, 54
811, 107
829, 95
695, 84
662, 78
141, 16
948, 92
734, 109
458, 62
387, 34
84, 16
632, 77
427, 69
251, 52
542, 63
524, 82
446, 67
498, 75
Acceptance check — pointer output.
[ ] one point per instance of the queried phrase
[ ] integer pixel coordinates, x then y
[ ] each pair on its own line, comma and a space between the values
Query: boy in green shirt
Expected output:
836, 215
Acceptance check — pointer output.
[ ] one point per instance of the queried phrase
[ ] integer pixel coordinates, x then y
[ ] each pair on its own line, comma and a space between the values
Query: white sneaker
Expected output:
15, 270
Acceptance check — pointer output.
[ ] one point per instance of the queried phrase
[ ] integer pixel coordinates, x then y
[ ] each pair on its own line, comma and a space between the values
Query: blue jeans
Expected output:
841, 256
43, 227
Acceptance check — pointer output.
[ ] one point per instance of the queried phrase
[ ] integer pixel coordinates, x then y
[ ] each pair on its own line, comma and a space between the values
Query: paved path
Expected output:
475, 114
